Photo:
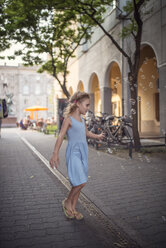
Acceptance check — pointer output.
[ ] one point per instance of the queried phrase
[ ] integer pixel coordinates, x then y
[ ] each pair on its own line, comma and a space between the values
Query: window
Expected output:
25, 101
26, 89
37, 89
112, 6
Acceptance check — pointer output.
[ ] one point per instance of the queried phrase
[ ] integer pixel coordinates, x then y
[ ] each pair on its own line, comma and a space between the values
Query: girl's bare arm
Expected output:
65, 126
55, 158
93, 135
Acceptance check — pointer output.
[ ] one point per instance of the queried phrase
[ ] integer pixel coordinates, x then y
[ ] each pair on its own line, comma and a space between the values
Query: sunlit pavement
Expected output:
129, 193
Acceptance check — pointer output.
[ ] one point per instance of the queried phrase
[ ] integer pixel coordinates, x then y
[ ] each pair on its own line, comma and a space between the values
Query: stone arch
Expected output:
113, 89
107, 73
94, 90
71, 90
143, 44
148, 92
80, 86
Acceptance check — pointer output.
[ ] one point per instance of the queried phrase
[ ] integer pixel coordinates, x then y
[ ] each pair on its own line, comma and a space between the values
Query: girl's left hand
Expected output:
101, 136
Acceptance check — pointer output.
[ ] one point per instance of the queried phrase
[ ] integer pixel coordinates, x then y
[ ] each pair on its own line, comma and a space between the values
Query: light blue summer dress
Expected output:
77, 153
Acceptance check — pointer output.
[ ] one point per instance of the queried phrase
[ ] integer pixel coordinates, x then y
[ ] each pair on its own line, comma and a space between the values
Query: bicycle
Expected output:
119, 133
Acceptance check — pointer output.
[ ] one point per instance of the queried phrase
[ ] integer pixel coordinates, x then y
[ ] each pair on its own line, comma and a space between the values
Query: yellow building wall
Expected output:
147, 91
81, 87
115, 83
96, 90
147, 88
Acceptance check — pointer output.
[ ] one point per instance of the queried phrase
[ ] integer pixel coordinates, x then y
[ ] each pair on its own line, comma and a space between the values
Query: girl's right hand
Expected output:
54, 161
101, 136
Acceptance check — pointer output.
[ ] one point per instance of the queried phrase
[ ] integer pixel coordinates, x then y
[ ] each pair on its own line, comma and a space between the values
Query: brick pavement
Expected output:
30, 211
130, 192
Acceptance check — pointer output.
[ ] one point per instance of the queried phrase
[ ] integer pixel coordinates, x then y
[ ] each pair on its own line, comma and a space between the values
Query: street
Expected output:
123, 202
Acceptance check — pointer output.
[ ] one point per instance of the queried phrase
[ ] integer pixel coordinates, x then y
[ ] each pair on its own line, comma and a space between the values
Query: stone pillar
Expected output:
162, 97
106, 105
92, 102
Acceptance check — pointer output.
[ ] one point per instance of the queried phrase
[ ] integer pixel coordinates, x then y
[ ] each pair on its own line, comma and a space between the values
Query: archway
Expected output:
71, 91
80, 86
115, 83
148, 93
95, 94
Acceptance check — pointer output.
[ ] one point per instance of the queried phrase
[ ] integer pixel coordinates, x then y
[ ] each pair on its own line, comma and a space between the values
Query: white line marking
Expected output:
61, 178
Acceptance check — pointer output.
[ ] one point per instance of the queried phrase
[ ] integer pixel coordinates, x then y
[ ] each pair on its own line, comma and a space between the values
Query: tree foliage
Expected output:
42, 29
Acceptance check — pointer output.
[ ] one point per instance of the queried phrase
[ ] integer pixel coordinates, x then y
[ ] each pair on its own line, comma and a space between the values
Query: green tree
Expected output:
43, 30
4, 32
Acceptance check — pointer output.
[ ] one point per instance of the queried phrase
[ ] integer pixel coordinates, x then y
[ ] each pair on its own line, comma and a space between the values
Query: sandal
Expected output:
66, 211
78, 215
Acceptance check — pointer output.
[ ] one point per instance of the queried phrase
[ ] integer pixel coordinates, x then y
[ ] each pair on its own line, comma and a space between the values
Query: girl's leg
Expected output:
76, 196
69, 200
72, 198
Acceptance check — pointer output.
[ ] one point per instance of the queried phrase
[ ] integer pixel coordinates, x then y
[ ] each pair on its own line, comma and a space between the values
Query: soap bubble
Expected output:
153, 76
151, 85
141, 70
132, 101
146, 60
163, 131
138, 98
143, 76
148, 106
133, 111
115, 84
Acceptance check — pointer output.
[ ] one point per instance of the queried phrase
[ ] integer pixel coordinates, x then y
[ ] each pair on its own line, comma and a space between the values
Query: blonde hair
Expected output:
72, 103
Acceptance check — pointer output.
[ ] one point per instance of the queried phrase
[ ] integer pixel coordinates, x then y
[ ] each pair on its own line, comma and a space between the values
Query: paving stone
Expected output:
31, 213
120, 187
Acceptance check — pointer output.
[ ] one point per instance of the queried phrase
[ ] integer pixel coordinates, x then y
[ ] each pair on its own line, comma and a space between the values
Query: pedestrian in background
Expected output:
77, 150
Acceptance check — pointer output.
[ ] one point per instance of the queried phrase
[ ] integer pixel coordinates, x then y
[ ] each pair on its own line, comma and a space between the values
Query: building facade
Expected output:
23, 87
101, 70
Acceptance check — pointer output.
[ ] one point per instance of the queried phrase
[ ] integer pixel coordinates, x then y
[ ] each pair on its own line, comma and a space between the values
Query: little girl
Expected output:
76, 151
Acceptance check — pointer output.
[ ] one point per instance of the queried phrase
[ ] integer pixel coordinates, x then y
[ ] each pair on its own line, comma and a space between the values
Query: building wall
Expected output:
28, 88
101, 53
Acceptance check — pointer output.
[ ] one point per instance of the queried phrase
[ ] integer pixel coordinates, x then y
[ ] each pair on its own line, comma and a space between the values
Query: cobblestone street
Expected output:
130, 194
